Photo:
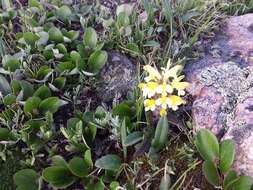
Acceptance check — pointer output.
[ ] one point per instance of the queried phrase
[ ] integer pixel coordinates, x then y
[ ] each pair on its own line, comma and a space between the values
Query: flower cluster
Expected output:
163, 90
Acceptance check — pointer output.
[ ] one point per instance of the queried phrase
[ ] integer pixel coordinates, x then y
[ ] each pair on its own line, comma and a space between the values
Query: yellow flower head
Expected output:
149, 105
160, 88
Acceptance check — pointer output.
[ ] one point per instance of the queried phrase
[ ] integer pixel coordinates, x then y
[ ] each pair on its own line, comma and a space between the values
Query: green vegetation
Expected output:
50, 52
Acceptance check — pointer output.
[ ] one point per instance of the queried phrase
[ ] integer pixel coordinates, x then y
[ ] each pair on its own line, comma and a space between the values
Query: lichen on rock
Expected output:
222, 88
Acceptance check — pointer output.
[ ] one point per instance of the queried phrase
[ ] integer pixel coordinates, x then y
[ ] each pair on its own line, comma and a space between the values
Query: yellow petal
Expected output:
152, 85
176, 100
142, 85
180, 85
163, 112
152, 72
173, 72
149, 104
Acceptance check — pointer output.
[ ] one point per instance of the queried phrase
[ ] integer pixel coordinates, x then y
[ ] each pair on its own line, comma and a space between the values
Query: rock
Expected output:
208, 118
240, 33
118, 77
222, 88
241, 131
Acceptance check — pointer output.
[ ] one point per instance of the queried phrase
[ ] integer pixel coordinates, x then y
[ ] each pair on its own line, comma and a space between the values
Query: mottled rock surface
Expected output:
118, 77
222, 88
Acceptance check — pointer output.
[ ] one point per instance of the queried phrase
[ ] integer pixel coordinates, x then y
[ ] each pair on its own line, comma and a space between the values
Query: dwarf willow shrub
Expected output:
218, 159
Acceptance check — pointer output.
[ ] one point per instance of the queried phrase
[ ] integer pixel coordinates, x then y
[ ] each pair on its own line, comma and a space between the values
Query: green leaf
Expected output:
64, 12
161, 133
34, 3
50, 104
189, 15
90, 38
31, 105
123, 110
167, 10
62, 49
15, 85
227, 155
88, 158
109, 162
58, 177
134, 49
26, 179
123, 20
48, 54
151, 43
4, 134
4, 86
59, 161
230, 177
76, 58
98, 186
78, 167
123, 135
43, 72
26, 90
114, 185
65, 66
55, 35
211, 173
165, 182
59, 82
72, 35
10, 63
97, 60
72, 122
30, 38
241, 183
133, 138
43, 92
9, 99
91, 133
207, 145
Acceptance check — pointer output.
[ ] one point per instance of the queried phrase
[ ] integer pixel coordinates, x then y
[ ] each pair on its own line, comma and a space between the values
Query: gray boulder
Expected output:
118, 77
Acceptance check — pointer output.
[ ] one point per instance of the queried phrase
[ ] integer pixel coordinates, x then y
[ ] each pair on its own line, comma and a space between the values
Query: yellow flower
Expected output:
164, 89
163, 112
172, 72
179, 86
163, 102
153, 74
149, 104
158, 88
149, 89
175, 101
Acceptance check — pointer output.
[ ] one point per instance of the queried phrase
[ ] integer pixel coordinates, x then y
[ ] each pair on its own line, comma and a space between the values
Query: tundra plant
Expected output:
218, 159
162, 90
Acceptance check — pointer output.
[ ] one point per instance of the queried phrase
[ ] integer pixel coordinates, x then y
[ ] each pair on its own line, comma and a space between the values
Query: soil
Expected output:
194, 178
